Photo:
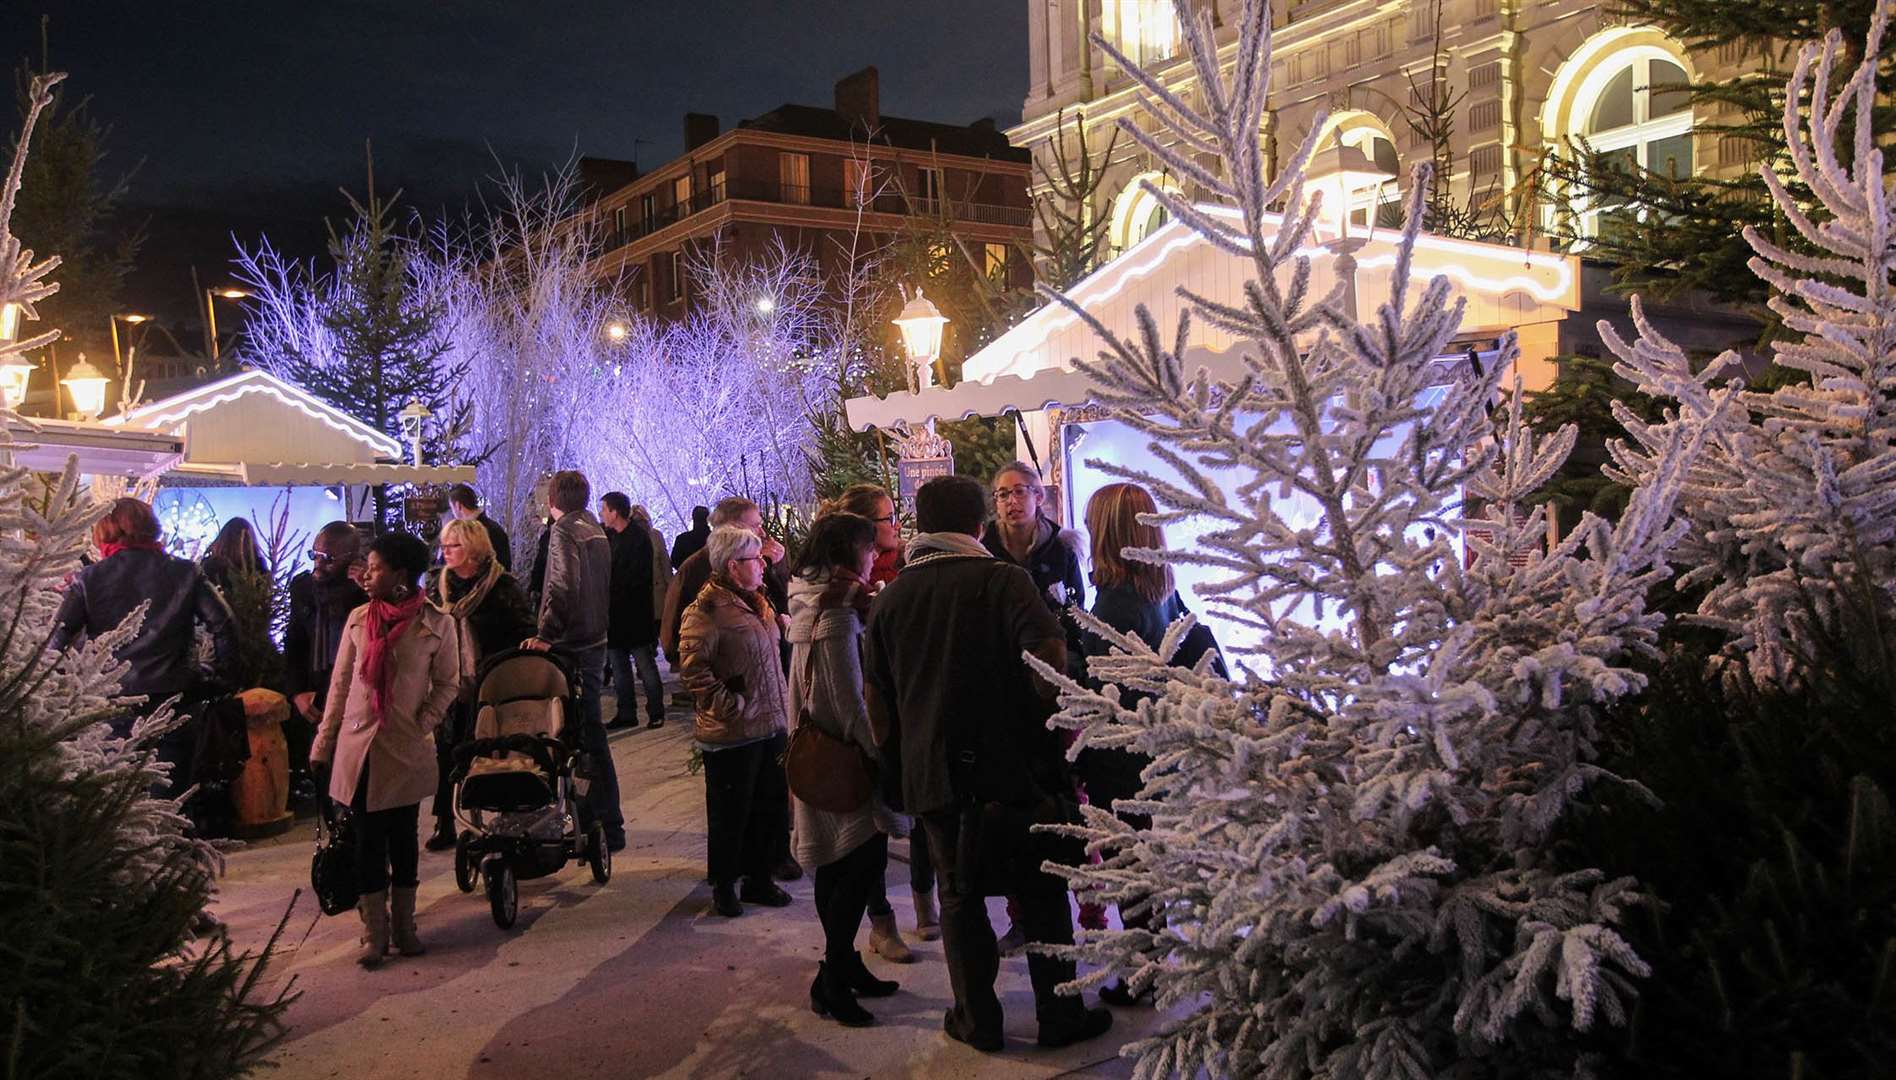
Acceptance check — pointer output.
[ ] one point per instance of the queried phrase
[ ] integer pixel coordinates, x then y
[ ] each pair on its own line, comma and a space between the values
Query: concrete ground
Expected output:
634, 978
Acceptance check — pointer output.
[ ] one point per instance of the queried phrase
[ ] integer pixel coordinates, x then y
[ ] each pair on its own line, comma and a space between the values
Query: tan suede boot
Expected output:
927, 919
373, 907
402, 922
887, 941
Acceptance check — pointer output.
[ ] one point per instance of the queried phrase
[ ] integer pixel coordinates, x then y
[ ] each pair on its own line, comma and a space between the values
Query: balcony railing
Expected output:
767, 191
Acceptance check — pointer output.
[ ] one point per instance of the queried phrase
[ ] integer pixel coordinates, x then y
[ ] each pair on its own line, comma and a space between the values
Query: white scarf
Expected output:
951, 543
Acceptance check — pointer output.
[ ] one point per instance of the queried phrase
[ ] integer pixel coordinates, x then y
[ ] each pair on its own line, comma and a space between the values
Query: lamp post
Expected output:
921, 324
412, 418
130, 318
1340, 172
211, 296
87, 385
617, 331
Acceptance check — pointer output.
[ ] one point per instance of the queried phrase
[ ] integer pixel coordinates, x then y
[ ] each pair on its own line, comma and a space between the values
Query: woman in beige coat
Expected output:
728, 658
397, 671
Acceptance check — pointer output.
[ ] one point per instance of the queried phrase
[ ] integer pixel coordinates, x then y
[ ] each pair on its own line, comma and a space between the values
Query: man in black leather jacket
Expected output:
321, 599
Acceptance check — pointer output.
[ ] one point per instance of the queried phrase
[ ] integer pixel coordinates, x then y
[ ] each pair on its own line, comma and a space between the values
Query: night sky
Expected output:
247, 117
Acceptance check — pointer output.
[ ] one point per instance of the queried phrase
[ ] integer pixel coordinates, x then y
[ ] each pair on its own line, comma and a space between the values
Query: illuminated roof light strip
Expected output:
190, 404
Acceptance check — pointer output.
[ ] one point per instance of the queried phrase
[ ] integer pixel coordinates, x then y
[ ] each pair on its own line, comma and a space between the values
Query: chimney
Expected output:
859, 99
700, 128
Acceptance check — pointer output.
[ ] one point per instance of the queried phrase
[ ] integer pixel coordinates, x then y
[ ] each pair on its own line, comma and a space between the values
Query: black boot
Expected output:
724, 900
443, 837
858, 978
829, 997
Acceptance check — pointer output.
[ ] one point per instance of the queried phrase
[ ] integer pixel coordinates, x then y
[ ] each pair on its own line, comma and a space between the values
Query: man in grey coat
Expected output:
573, 619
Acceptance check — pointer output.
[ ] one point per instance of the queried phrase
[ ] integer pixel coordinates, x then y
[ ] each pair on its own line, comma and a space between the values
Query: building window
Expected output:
930, 186
1145, 30
648, 212
681, 193
618, 221
1484, 115
858, 182
793, 178
995, 258
716, 188
675, 275
1137, 213
1638, 114
641, 296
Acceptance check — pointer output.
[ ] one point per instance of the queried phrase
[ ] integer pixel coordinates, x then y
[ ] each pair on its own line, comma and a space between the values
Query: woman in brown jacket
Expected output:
727, 645
397, 671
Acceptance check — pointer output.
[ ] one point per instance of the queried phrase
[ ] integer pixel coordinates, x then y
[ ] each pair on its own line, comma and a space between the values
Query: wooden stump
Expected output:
260, 798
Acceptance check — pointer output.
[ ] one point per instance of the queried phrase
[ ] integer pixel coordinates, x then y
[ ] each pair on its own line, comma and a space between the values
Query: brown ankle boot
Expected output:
887, 941
402, 921
373, 907
927, 919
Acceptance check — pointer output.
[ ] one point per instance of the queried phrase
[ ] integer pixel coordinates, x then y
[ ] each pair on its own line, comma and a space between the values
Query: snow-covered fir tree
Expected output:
100, 883
1351, 861
1793, 505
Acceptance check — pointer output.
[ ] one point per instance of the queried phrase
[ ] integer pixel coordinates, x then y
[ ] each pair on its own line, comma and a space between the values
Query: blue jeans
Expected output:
646, 657
603, 794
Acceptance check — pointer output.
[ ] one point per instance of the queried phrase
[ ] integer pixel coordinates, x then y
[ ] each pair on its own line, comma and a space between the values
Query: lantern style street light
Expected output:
412, 418
87, 385
15, 374
921, 323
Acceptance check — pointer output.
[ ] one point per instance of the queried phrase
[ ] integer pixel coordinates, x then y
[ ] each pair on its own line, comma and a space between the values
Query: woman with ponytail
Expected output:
397, 672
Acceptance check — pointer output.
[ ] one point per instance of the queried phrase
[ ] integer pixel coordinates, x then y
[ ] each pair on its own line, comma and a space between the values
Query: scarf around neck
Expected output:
385, 625
106, 551
946, 543
477, 588
759, 605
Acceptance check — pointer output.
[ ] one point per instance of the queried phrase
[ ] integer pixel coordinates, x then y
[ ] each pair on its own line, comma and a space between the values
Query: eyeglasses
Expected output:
1008, 494
316, 555
749, 558
450, 547
887, 519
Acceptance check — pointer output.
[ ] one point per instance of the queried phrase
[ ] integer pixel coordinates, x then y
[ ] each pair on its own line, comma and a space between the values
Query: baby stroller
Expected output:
520, 782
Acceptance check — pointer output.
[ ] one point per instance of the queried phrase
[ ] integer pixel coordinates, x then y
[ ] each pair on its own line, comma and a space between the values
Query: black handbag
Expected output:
332, 874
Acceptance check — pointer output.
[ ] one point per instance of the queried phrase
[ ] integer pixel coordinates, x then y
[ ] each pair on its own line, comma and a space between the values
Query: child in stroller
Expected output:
520, 782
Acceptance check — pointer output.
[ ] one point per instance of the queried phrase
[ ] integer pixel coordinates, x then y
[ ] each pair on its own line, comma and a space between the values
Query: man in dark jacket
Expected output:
466, 504
573, 618
631, 621
321, 599
690, 543
1021, 534
968, 723
696, 570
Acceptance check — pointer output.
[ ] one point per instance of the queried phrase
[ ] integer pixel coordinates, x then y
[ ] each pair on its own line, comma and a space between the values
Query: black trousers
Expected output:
388, 848
747, 809
967, 937
451, 732
843, 892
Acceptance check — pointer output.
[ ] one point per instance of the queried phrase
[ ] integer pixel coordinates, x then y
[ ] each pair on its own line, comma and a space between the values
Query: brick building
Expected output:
794, 173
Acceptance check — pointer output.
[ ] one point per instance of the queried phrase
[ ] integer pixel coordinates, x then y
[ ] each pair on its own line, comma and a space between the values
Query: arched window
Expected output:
1145, 30
1136, 213
1635, 108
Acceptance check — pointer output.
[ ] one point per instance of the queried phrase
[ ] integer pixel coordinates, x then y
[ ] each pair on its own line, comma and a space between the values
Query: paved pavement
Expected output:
634, 978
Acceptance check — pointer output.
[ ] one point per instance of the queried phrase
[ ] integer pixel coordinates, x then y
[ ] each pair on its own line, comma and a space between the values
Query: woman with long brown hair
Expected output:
1136, 597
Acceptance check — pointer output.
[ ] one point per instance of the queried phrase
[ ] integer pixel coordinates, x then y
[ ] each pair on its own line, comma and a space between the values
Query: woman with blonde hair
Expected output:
490, 613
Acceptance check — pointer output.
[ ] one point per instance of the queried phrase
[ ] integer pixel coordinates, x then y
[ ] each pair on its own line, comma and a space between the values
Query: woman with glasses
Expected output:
872, 501
491, 614
728, 658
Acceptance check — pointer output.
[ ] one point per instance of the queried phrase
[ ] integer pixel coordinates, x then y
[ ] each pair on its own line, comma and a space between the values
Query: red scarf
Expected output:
845, 589
106, 551
384, 626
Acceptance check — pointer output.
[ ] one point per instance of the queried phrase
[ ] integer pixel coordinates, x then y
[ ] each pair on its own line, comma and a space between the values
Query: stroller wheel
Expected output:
503, 892
598, 855
467, 873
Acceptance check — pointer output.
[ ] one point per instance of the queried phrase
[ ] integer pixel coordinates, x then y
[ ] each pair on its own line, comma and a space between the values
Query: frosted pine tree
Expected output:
99, 882
1350, 866
1793, 506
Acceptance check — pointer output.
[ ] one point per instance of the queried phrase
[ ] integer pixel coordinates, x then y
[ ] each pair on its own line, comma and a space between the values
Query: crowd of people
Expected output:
908, 651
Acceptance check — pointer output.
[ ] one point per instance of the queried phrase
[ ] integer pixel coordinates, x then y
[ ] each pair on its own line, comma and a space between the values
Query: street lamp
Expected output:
211, 296
616, 331
765, 305
921, 323
15, 374
412, 418
130, 319
87, 385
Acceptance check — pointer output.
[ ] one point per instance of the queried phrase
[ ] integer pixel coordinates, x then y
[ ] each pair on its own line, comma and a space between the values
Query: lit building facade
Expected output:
1524, 76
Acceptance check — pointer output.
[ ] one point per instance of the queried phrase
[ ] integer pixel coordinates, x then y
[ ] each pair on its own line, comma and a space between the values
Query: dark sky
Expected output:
244, 116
